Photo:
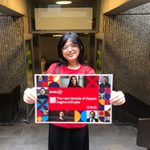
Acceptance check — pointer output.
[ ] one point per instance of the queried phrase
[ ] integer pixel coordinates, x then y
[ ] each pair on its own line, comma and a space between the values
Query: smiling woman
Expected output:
73, 82
70, 136
71, 52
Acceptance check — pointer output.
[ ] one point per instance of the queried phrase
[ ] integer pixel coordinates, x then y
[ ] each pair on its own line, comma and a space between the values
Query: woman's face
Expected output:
73, 80
70, 51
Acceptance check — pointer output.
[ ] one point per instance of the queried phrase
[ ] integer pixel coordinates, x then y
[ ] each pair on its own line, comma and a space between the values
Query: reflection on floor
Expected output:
22, 136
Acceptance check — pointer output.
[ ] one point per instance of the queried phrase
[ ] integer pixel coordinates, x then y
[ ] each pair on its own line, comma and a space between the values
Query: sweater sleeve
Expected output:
52, 69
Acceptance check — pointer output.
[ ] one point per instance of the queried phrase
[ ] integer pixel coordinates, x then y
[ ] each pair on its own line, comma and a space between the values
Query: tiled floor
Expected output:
22, 136
112, 137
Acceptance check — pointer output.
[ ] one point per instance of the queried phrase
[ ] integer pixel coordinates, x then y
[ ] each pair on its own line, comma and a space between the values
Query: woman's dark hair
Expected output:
71, 84
75, 40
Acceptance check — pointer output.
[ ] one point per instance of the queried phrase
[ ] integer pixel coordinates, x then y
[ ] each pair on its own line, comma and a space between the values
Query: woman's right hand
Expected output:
29, 96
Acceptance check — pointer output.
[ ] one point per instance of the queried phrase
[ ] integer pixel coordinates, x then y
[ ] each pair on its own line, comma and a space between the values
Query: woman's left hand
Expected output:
117, 98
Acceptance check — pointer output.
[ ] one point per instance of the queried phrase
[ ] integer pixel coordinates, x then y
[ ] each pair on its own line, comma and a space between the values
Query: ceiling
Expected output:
74, 2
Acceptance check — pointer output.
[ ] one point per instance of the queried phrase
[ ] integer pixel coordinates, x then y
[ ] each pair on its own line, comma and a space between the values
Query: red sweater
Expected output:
64, 70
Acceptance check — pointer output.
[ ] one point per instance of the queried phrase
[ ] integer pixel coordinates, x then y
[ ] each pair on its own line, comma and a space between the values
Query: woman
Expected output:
70, 136
73, 82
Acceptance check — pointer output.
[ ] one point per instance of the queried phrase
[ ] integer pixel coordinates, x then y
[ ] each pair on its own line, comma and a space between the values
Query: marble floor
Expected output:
23, 136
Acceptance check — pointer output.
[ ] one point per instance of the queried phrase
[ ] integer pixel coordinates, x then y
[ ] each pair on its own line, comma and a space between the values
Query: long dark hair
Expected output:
75, 40
71, 84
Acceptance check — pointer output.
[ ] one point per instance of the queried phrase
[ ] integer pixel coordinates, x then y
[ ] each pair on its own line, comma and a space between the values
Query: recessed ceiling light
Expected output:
57, 35
63, 2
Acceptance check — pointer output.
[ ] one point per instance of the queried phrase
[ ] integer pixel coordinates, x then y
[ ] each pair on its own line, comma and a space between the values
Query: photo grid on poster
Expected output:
73, 98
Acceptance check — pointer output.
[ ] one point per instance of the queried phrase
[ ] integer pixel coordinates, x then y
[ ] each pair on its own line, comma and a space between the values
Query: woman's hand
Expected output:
117, 98
29, 96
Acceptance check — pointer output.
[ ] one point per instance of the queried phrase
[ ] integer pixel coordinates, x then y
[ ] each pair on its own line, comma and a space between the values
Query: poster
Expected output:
73, 98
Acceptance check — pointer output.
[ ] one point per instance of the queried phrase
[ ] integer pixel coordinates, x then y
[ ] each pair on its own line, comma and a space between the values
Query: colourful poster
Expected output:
73, 98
